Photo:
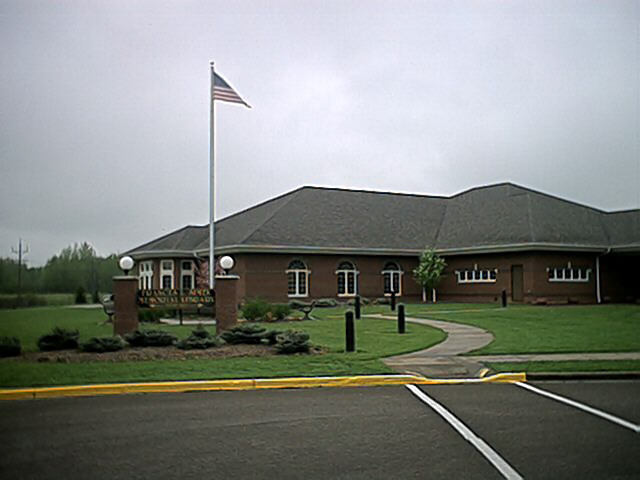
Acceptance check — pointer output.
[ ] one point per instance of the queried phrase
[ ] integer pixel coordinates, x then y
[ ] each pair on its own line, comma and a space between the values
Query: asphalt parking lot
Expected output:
373, 432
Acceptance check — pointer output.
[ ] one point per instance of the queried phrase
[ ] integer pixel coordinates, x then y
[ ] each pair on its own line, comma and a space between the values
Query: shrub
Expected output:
81, 296
26, 300
95, 298
292, 341
269, 337
104, 344
151, 338
382, 301
255, 309
249, 333
280, 311
199, 339
149, 315
298, 304
326, 303
58, 339
10, 347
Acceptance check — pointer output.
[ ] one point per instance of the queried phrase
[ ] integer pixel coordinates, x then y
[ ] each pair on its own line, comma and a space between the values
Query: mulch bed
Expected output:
135, 354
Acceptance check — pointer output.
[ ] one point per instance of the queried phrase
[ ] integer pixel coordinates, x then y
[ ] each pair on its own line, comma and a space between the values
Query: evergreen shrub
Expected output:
81, 296
292, 341
150, 338
103, 344
199, 339
249, 333
10, 347
59, 339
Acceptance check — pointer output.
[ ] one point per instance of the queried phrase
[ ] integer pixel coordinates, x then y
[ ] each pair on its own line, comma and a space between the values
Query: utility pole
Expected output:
20, 251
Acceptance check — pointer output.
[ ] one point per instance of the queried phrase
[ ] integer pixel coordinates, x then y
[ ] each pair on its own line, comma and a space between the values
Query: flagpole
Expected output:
212, 186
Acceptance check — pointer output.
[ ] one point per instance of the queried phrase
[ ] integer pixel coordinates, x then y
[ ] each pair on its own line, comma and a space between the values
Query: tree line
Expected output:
76, 266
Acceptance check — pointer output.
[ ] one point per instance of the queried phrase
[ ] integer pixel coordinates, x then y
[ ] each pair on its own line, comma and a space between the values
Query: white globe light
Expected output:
126, 263
227, 262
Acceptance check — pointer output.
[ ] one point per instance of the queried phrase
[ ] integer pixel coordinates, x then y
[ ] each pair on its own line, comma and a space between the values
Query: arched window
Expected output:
347, 279
392, 276
297, 279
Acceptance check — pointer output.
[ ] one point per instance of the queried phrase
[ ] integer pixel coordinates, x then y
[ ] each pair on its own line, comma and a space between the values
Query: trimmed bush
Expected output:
248, 333
10, 347
255, 309
292, 341
58, 339
151, 338
103, 344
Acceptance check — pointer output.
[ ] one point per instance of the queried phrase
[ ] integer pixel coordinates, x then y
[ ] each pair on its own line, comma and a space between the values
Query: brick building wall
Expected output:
264, 276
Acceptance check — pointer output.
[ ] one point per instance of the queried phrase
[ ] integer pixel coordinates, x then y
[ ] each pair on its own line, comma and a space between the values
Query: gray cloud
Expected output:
104, 118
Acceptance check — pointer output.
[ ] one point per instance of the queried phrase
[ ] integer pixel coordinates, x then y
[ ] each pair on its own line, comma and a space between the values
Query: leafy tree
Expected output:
428, 271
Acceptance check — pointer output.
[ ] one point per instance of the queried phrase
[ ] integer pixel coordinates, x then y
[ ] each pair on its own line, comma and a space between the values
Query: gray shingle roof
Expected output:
495, 217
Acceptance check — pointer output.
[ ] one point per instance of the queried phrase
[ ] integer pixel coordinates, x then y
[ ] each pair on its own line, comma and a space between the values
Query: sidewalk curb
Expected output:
245, 384
583, 376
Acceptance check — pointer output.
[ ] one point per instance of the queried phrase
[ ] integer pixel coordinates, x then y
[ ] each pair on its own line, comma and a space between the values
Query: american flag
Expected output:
223, 91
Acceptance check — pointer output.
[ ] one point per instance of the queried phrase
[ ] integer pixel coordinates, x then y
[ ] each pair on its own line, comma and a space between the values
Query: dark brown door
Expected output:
517, 291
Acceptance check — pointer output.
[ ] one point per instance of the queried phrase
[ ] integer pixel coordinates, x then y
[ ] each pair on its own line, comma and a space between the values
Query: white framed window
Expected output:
476, 275
166, 274
347, 276
392, 278
297, 279
568, 274
187, 274
145, 275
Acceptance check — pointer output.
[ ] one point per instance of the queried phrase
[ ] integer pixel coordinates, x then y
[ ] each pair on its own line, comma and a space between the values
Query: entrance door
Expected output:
517, 290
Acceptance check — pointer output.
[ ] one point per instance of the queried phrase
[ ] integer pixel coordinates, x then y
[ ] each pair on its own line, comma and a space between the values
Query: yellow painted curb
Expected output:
246, 384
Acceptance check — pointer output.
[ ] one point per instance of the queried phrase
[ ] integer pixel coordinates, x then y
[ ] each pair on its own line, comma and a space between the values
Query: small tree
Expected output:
429, 271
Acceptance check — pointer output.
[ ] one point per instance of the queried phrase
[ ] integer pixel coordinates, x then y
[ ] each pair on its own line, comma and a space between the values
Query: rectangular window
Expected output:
291, 283
145, 275
569, 274
166, 273
341, 283
302, 283
187, 282
477, 276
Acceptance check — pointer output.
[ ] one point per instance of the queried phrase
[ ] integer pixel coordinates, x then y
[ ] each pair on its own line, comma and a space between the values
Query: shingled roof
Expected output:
501, 217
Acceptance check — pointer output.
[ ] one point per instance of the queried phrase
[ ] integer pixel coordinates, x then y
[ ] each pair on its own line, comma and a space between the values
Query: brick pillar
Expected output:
125, 304
226, 302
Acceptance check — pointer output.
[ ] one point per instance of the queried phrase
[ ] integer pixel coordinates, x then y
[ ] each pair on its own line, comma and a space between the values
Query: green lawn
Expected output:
375, 339
590, 366
546, 329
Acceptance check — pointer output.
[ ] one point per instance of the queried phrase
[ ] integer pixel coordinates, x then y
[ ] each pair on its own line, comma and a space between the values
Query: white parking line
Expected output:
489, 453
594, 411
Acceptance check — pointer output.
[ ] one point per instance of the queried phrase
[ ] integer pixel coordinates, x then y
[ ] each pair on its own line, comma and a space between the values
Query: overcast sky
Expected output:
104, 107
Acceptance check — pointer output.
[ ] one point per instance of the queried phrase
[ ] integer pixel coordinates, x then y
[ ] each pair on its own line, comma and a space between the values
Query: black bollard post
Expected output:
393, 300
504, 298
350, 332
357, 307
401, 323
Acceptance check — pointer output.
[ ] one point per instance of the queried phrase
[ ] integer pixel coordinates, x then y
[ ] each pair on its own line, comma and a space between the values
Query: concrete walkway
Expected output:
556, 357
443, 360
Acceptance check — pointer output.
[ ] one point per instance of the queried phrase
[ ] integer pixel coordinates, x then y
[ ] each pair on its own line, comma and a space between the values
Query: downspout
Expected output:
598, 294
